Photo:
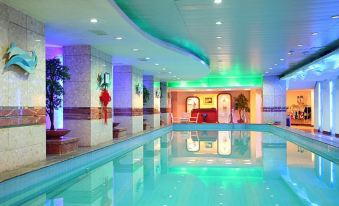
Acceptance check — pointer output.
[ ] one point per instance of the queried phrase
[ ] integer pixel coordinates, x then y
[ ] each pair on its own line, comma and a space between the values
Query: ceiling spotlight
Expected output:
333, 17
275, 64
170, 72
218, 37
218, 47
270, 68
118, 38
94, 20
300, 45
135, 50
266, 72
156, 64
175, 76
37, 40
282, 59
314, 33
218, 22
217, 1
147, 58
163, 69
178, 78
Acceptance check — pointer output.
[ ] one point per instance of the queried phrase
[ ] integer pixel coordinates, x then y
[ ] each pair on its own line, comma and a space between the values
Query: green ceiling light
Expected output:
219, 82
185, 44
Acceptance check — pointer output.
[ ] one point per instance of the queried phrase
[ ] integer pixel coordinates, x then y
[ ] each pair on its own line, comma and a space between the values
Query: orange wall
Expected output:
179, 100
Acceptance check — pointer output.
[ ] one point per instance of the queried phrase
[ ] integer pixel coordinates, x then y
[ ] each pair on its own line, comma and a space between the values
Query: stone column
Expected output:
152, 106
274, 100
22, 95
83, 113
164, 103
128, 106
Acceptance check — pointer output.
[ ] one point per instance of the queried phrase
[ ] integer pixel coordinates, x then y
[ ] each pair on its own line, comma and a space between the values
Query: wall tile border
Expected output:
86, 113
22, 116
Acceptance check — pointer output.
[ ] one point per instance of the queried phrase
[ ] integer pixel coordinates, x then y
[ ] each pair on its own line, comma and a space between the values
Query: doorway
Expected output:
224, 107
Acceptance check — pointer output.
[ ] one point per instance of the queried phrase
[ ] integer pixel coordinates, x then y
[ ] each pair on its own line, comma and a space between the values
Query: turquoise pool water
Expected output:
184, 168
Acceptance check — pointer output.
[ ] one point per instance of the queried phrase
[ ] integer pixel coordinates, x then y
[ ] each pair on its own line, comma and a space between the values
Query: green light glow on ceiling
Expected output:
219, 82
185, 44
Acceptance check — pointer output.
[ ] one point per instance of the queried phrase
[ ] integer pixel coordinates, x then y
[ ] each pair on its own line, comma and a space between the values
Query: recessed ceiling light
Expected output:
94, 20
148, 58
270, 68
175, 76
282, 59
335, 17
218, 37
37, 40
289, 53
266, 72
314, 33
275, 64
156, 64
135, 50
178, 78
218, 47
164, 69
218, 22
217, 1
300, 45
118, 38
170, 72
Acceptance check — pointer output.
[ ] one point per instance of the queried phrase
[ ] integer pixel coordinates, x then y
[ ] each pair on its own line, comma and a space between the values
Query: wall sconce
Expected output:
157, 93
138, 89
104, 80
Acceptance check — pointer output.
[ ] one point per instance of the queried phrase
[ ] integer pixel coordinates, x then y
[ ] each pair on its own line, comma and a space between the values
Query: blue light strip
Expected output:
319, 106
331, 106
319, 162
332, 178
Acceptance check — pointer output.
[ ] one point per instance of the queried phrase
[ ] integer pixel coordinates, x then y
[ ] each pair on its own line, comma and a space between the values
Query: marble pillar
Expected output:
274, 100
165, 108
152, 105
128, 104
22, 95
83, 113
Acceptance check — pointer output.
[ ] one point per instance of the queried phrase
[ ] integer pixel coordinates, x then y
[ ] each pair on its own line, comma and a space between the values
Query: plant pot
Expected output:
240, 121
56, 134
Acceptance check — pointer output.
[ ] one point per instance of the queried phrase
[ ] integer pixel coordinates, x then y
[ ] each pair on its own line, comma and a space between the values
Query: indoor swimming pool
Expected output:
183, 168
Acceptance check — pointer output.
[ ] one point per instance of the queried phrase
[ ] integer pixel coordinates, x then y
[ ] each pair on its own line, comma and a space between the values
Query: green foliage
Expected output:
145, 94
55, 75
241, 103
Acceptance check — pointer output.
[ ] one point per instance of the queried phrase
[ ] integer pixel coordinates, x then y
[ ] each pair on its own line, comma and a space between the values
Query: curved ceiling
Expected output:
67, 22
241, 37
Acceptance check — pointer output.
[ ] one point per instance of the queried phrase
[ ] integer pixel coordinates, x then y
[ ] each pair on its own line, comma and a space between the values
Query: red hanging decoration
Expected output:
105, 98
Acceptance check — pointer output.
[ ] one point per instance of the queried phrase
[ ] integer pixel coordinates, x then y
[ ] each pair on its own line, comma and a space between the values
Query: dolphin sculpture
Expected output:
25, 60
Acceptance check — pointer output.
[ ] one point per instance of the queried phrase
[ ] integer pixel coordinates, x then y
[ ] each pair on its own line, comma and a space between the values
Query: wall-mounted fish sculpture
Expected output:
25, 60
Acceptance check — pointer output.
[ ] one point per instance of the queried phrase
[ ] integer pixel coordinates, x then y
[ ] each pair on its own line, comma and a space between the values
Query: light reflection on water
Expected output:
205, 168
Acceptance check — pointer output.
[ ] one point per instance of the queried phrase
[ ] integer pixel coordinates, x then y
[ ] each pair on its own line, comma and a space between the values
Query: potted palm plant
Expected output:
56, 73
241, 104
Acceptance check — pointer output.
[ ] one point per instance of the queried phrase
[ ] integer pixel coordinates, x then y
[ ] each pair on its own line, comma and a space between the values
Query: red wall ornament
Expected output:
105, 98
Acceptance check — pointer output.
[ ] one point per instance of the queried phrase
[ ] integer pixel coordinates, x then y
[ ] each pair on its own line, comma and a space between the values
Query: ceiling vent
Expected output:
98, 32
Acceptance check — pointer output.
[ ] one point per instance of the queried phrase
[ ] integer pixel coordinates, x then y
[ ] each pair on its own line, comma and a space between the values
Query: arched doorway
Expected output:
192, 102
224, 107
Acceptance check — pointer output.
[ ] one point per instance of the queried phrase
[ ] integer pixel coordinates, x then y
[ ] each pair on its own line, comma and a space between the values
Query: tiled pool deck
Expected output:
54, 159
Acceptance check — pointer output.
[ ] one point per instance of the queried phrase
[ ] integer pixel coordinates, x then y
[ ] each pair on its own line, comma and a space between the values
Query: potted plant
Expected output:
56, 73
241, 104
145, 94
